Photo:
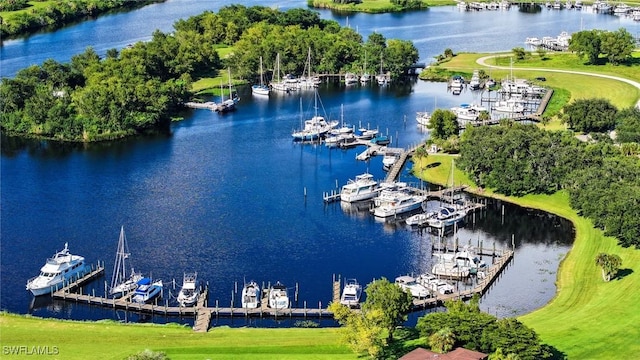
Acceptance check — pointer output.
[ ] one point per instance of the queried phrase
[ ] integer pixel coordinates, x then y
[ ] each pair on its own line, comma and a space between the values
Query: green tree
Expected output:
362, 331
443, 124
519, 52
587, 44
392, 302
442, 341
610, 264
617, 45
590, 115
628, 125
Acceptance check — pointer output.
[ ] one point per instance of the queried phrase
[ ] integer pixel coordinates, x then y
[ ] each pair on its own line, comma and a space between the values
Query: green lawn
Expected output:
110, 340
370, 6
7, 16
588, 318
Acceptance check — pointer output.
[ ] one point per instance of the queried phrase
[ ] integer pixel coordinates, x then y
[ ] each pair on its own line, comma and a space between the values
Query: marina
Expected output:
203, 312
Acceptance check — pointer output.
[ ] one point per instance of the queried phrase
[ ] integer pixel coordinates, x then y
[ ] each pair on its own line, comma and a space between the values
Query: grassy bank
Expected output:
588, 318
370, 6
110, 340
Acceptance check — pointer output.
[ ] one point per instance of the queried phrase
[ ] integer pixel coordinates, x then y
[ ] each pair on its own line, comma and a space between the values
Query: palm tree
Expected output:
610, 263
442, 341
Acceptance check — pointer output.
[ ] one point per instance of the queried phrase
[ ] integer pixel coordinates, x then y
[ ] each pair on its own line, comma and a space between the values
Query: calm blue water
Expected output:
224, 195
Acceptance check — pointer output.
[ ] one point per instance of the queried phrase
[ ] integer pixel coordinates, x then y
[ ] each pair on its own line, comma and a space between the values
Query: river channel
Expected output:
224, 195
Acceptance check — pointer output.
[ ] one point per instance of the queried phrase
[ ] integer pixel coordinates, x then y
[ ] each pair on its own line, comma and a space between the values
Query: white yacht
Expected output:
389, 159
58, 269
147, 290
446, 216
189, 293
468, 112
409, 284
397, 202
423, 118
278, 296
458, 265
262, 88
509, 106
316, 127
250, 295
420, 219
351, 293
121, 283
350, 79
364, 187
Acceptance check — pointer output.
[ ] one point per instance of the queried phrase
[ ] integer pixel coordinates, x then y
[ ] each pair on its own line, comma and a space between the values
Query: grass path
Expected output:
588, 318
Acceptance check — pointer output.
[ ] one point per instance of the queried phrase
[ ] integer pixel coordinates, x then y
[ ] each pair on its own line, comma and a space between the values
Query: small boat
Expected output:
458, 265
409, 284
189, 293
351, 293
389, 159
468, 112
366, 134
446, 217
510, 106
58, 270
423, 118
250, 295
396, 202
120, 282
314, 128
420, 219
364, 187
147, 290
262, 88
381, 140
350, 79
278, 296
229, 104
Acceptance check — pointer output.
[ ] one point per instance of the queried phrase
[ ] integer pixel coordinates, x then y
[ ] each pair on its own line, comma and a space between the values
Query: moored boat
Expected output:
147, 290
262, 88
189, 293
396, 202
121, 284
278, 296
364, 187
57, 270
250, 295
420, 219
351, 293
447, 216
409, 284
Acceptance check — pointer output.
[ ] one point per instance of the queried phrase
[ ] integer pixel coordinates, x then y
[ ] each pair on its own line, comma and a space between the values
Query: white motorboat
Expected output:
397, 202
189, 293
423, 118
278, 296
510, 106
447, 216
435, 284
468, 112
364, 187
420, 219
250, 295
121, 283
350, 79
147, 290
262, 88
316, 127
351, 293
57, 270
389, 159
458, 265
409, 284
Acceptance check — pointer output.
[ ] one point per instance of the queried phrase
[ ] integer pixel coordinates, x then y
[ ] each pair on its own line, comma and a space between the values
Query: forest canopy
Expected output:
140, 88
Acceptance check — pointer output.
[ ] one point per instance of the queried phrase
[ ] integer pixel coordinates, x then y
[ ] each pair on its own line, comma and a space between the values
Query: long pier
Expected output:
203, 313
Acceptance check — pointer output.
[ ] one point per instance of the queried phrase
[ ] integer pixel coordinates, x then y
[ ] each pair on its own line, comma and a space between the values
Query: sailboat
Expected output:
230, 103
450, 214
314, 128
278, 84
381, 78
120, 282
261, 89
365, 77
308, 81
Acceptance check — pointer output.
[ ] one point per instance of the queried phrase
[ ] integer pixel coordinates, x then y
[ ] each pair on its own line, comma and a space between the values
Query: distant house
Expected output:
457, 354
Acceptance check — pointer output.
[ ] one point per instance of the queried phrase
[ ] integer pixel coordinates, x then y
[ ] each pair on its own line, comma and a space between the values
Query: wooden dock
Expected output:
203, 313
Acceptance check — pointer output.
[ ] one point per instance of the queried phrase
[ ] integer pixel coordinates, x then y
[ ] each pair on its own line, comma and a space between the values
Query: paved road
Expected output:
482, 61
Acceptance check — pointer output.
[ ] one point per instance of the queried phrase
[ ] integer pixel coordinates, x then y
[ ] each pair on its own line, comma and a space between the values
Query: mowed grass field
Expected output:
111, 340
588, 318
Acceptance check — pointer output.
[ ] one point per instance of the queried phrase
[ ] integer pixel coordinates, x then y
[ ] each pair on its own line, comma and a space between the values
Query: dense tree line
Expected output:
514, 159
57, 13
466, 326
140, 87
615, 46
